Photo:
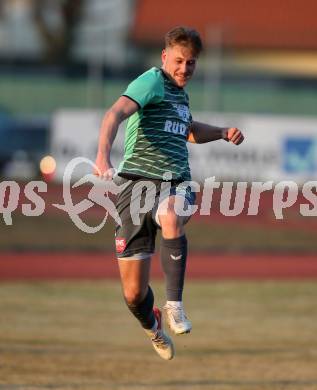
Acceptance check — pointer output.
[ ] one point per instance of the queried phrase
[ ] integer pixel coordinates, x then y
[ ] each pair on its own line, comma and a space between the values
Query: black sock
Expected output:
143, 311
173, 259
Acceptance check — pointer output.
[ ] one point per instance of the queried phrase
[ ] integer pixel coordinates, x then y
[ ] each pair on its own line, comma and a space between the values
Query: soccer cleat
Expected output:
162, 343
177, 320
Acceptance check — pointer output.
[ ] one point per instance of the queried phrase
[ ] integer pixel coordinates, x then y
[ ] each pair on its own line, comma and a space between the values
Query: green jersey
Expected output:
156, 135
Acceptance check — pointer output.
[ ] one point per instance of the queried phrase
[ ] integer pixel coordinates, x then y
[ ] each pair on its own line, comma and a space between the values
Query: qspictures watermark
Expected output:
234, 199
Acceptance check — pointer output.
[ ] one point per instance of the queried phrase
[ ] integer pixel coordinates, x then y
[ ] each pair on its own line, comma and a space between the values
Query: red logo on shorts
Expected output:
120, 244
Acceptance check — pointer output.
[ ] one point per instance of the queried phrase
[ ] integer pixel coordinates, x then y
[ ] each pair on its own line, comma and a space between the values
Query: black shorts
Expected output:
135, 238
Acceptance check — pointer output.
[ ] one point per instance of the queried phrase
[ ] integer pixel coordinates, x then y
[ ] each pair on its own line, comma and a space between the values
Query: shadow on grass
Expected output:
160, 385
245, 351
190, 383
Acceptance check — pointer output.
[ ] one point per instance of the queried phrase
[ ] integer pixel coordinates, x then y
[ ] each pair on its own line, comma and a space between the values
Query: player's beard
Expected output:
182, 80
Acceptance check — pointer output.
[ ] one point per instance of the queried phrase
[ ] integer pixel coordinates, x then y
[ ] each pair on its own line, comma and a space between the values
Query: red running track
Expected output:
47, 265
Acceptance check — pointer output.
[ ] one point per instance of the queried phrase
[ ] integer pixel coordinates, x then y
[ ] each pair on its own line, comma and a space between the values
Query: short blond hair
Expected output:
184, 36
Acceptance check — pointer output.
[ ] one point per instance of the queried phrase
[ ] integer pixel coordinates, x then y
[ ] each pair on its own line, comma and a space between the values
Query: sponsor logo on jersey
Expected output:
182, 111
175, 127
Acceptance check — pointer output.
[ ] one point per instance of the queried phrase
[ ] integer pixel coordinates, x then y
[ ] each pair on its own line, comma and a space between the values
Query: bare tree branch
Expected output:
58, 41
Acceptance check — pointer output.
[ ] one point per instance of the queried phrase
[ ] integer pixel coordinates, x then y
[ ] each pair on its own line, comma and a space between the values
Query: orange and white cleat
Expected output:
162, 343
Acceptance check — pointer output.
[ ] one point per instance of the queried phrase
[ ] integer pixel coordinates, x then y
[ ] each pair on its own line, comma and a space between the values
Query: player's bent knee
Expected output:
143, 310
170, 219
173, 227
134, 296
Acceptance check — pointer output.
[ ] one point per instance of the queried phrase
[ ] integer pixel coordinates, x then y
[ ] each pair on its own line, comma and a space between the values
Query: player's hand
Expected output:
234, 135
103, 168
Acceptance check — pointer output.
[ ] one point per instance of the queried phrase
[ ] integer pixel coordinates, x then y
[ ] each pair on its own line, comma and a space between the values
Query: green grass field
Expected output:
79, 335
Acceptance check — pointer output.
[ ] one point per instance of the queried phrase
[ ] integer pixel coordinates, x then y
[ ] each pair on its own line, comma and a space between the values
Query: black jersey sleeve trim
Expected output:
132, 100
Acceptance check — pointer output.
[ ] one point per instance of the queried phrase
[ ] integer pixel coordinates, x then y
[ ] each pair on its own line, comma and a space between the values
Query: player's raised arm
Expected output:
121, 110
202, 132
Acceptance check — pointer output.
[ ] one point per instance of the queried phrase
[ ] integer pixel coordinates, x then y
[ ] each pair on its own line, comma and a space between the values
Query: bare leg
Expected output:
136, 290
139, 298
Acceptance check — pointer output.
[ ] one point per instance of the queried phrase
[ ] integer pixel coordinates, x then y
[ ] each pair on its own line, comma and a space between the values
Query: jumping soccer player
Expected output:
159, 126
